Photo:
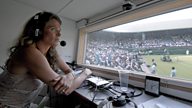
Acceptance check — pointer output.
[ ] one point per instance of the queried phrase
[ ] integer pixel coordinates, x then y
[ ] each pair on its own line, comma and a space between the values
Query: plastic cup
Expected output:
123, 79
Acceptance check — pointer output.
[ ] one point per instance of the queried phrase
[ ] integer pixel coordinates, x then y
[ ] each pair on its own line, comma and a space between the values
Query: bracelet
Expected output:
85, 72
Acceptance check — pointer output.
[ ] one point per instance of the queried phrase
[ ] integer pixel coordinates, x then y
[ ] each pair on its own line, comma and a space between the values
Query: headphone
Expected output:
118, 101
38, 22
37, 25
33, 30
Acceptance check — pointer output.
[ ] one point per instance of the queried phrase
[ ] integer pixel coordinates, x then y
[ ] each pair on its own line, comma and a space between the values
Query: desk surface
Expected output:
100, 94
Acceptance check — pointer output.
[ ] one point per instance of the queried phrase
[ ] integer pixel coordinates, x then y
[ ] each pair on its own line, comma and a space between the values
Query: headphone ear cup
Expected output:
37, 31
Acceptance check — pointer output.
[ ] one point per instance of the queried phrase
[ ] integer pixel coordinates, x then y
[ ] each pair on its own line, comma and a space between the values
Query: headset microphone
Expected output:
63, 43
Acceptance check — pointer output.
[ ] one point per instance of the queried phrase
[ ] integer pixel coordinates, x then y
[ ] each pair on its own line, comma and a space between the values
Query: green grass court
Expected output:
182, 63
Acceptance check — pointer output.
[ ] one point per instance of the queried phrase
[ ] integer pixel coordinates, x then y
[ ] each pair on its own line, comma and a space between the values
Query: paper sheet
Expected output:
98, 81
163, 102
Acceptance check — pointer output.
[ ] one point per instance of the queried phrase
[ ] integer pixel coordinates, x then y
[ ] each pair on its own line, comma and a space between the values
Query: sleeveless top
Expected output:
18, 90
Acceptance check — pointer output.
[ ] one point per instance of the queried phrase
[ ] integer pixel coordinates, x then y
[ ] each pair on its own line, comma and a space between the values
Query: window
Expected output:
160, 45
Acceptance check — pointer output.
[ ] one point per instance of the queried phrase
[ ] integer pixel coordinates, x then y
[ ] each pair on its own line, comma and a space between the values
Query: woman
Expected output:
34, 60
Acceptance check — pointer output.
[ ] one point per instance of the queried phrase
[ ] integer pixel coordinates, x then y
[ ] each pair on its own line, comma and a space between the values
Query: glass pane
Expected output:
160, 45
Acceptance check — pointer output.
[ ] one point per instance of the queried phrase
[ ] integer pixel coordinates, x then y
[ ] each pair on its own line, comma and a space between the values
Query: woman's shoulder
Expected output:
30, 51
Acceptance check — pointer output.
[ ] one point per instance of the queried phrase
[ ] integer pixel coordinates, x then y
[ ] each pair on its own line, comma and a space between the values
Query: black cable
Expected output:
127, 98
94, 96
128, 101
138, 94
111, 91
95, 93
131, 94
114, 90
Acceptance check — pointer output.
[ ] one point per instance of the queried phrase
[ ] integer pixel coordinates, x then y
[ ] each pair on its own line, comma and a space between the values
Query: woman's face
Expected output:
52, 32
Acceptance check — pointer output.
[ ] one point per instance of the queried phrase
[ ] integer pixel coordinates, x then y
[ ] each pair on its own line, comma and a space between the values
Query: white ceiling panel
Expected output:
79, 9
47, 5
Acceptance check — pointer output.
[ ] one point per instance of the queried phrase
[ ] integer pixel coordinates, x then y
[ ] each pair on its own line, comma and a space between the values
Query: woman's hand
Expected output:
67, 83
78, 81
69, 80
63, 82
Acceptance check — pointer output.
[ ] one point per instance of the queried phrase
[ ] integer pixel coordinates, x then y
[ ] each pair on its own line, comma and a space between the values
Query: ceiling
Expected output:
77, 10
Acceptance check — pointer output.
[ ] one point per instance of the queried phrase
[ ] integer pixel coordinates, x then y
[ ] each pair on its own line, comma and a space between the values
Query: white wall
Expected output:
70, 35
13, 17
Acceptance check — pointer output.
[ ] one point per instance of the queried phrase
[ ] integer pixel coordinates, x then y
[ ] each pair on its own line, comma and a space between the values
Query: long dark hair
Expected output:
33, 32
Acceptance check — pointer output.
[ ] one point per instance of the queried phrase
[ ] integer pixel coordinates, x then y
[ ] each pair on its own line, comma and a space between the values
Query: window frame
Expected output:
168, 85
155, 9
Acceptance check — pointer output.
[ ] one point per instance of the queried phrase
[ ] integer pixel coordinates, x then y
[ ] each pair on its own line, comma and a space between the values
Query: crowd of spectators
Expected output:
124, 52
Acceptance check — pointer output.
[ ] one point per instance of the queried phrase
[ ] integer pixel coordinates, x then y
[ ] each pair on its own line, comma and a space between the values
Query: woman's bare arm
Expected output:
38, 65
78, 81
72, 82
62, 65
